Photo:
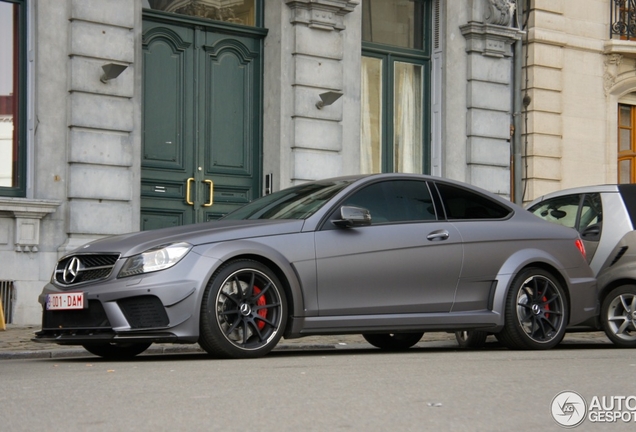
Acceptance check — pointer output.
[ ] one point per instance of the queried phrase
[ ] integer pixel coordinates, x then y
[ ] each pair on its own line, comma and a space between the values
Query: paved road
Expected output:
352, 387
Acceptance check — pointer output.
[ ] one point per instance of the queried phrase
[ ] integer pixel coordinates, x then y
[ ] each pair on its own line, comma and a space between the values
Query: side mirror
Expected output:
352, 217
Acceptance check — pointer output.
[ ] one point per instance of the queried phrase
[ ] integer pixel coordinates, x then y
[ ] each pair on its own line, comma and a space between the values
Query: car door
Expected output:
406, 261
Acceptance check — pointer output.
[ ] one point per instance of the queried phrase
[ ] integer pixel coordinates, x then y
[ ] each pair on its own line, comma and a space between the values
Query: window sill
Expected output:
27, 214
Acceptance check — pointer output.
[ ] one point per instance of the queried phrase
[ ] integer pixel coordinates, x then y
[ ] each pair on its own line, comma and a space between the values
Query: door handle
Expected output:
209, 204
438, 235
188, 182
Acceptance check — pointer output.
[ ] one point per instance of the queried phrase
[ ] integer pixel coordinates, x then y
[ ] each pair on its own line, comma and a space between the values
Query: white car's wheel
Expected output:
618, 315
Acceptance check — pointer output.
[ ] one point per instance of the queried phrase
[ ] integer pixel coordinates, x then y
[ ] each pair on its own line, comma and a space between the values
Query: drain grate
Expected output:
7, 297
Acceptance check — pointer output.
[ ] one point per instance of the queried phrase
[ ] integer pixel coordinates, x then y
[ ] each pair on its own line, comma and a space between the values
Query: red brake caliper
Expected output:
547, 306
262, 312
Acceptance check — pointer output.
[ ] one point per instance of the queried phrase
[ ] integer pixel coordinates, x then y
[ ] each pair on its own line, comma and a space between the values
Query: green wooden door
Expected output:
201, 118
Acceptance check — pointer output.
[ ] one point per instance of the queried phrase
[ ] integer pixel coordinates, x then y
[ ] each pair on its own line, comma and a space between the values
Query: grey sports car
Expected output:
388, 256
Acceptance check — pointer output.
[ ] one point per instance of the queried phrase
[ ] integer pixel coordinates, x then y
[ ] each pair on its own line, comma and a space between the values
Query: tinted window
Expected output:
395, 201
462, 203
560, 210
628, 193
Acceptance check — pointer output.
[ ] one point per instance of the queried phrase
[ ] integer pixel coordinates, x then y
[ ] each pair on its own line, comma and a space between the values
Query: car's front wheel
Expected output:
116, 351
243, 311
536, 311
393, 341
618, 315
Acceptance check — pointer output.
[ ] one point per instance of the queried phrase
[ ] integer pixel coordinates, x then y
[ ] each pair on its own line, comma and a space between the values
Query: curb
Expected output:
158, 350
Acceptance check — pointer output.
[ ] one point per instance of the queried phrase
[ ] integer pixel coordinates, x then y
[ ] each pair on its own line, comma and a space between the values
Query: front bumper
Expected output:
156, 307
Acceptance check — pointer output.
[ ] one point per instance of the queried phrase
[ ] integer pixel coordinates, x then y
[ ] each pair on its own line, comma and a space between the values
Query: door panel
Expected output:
376, 269
168, 156
201, 142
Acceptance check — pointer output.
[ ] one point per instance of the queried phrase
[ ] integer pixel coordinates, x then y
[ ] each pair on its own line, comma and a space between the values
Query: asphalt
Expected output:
16, 343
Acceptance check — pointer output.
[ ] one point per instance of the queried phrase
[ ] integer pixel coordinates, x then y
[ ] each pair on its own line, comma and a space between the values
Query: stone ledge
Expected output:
27, 214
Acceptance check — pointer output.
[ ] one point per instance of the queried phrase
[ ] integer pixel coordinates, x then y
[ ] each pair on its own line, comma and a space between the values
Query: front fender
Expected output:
292, 257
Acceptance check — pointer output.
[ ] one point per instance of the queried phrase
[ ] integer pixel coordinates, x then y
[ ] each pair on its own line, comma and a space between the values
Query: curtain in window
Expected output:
371, 101
407, 138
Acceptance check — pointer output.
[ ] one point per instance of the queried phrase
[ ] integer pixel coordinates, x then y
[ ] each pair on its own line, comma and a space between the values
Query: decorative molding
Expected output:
489, 40
325, 15
27, 214
500, 12
612, 63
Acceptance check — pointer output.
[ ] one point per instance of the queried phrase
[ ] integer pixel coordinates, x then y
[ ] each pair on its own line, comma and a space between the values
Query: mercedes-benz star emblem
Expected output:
71, 270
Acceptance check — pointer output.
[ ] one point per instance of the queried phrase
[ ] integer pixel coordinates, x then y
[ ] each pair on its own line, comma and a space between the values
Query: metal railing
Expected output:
623, 19
6, 297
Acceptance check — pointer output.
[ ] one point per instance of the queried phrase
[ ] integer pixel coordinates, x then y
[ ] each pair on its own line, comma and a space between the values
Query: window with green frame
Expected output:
395, 81
12, 98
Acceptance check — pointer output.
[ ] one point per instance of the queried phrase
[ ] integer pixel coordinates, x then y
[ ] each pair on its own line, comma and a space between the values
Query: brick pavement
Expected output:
16, 343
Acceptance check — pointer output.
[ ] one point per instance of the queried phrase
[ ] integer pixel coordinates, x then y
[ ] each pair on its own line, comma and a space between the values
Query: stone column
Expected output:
489, 38
103, 120
305, 57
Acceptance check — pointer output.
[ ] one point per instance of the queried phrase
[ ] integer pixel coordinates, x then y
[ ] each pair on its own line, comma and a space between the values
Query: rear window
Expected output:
462, 203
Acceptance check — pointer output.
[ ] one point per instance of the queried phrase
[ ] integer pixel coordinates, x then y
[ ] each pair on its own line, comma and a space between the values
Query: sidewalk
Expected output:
16, 343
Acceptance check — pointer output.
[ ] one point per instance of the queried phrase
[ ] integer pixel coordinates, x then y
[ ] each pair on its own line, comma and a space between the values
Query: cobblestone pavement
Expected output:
16, 343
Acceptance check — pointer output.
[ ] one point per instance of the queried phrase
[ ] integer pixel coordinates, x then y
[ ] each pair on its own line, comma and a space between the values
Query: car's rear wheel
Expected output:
471, 339
116, 351
618, 315
536, 311
393, 341
243, 311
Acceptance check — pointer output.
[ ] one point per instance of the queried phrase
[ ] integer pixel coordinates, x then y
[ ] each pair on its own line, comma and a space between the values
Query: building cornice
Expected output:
321, 14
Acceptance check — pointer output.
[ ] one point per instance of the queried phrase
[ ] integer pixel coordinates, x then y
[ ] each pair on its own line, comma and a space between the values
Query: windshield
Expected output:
298, 202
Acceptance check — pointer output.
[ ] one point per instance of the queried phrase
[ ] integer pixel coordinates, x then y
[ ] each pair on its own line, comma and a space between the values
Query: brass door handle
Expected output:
188, 200
209, 204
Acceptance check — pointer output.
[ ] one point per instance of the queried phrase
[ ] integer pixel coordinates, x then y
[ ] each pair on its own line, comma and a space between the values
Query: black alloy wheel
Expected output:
393, 341
116, 351
243, 312
536, 311
618, 316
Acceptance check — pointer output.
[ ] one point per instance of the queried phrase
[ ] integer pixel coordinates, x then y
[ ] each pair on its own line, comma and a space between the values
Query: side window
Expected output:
461, 203
395, 201
591, 212
562, 210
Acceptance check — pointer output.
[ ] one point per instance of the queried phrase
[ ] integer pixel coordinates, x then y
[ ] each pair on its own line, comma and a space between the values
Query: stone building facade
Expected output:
113, 100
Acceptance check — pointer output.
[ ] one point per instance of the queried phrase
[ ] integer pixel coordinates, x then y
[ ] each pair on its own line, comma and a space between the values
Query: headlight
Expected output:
155, 259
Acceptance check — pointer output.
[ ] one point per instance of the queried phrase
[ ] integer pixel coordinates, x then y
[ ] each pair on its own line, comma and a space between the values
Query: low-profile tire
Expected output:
471, 339
618, 316
243, 312
116, 351
536, 311
393, 341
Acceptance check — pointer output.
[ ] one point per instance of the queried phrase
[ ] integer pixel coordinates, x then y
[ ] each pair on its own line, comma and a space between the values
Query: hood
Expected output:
196, 234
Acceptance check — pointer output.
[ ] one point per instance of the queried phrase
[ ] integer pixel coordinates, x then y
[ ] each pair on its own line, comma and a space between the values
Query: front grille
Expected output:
144, 312
77, 269
92, 318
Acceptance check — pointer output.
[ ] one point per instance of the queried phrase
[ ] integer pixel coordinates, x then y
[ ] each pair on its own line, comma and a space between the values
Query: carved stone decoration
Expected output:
321, 14
500, 12
27, 214
612, 63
